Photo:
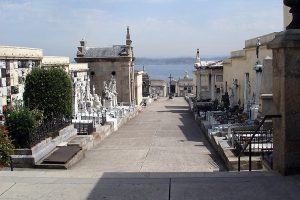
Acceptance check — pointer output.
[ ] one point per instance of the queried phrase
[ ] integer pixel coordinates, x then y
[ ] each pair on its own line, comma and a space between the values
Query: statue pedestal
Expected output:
286, 98
266, 93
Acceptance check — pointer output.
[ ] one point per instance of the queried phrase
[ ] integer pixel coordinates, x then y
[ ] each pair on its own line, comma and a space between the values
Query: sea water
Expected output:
162, 72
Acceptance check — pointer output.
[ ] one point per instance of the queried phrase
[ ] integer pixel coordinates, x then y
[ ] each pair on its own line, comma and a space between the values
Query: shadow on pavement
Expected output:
195, 186
192, 132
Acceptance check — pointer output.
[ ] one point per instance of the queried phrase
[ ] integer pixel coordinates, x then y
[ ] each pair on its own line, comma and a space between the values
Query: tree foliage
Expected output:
6, 148
21, 124
49, 90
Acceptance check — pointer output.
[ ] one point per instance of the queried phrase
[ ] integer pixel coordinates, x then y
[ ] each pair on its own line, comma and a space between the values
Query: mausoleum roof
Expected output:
107, 52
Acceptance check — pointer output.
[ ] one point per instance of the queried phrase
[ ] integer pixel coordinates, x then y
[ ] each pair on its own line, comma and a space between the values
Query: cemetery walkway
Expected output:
159, 155
162, 138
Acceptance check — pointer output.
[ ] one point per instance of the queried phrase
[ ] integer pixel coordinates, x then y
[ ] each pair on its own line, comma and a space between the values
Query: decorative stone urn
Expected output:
295, 10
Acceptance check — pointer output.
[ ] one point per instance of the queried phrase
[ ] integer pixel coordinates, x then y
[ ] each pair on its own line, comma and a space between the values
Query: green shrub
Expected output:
21, 124
49, 90
6, 148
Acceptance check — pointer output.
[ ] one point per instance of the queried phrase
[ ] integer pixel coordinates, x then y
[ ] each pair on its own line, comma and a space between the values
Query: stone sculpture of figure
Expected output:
81, 106
113, 91
106, 93
97, 102
113, 86
94, 90
233, 91
258, 44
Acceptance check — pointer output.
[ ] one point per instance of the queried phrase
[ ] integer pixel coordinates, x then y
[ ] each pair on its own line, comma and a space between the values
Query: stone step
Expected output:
188, 175
62, 158
62, 155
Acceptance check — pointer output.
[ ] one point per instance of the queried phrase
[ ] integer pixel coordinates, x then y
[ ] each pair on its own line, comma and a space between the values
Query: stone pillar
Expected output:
266, 93
258, 84
212, 88
246, 93
286, 91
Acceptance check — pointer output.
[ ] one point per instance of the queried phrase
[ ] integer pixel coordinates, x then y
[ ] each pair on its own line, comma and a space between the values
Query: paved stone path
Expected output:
163, 138
159, 155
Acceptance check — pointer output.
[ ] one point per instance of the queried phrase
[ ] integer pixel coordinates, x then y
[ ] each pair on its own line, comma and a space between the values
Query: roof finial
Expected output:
198, 60
83, 42
128, 33
128, 40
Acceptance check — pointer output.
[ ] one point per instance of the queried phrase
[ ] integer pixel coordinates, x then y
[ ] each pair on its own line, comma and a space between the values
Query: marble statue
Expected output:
233, 93
97, 102
113, 90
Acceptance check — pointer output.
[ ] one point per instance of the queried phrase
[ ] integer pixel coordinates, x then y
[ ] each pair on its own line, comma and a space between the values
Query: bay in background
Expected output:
160, 68
162, 72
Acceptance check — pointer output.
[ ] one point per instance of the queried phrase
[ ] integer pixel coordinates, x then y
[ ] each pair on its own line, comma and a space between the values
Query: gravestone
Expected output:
266, 93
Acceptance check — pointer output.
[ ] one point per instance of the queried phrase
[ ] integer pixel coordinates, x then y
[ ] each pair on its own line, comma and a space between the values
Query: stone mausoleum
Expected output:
105, 62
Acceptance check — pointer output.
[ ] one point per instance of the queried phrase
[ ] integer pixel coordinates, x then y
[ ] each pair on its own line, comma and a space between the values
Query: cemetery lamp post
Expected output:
170, 94
295, 11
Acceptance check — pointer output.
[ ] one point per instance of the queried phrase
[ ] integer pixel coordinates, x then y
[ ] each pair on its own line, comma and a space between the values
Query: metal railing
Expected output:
88, 122
48, 129
84, 128
263, 139
250, 140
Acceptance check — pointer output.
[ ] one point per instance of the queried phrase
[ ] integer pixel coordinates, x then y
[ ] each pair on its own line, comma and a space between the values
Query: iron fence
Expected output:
248, 145
84, 128
47, 129
87, 122
263, 139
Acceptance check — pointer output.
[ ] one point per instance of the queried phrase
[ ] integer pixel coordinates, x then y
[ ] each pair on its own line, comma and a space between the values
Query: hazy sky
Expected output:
159, 28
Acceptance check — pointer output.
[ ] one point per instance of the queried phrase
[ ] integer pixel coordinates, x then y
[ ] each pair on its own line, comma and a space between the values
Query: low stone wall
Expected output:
225, 152
90, 141
29, 157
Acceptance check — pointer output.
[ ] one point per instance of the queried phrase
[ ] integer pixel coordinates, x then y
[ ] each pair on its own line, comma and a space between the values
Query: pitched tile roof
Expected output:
107, 52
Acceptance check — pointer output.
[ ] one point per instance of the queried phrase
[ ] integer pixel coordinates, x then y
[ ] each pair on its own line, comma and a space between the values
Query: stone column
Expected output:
212, 88
258, 71
286, 91
246, 93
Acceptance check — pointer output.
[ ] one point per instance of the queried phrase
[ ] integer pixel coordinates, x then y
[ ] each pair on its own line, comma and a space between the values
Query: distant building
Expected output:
208, 79
239, 72
158, 87
185, 86
173, 90
146, 84
105, 62
15, 64
56, 61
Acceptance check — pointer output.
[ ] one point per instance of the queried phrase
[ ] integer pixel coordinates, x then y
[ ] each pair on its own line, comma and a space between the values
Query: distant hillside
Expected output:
170, 61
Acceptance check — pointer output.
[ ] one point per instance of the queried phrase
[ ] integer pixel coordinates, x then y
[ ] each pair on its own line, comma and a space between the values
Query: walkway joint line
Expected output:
170, 187
8, 189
